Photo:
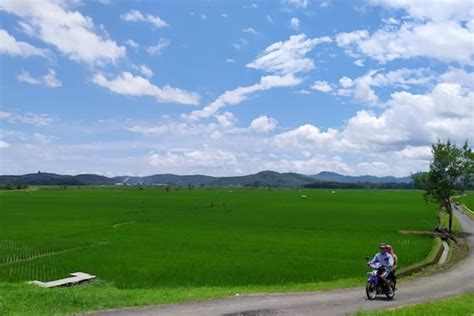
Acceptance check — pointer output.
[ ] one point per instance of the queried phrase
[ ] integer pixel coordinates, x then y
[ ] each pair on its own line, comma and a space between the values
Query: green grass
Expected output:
199, 243
462, 305
468, 201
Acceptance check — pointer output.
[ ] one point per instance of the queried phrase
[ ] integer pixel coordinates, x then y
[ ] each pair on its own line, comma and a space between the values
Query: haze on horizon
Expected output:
231, 88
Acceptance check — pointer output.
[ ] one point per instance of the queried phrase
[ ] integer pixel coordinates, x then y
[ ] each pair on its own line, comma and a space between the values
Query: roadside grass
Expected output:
467, 203
462, 305
26, 299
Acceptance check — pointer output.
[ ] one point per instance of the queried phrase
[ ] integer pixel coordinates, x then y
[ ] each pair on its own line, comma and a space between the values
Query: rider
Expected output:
395, 264
386, 264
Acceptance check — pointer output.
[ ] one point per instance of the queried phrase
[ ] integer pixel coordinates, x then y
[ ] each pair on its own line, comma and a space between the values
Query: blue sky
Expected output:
232, 87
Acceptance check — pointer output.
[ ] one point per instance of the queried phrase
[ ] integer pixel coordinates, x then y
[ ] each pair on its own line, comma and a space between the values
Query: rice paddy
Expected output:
151, 238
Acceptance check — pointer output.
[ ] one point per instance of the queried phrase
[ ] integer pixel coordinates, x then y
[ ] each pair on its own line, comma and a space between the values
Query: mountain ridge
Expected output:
260, 179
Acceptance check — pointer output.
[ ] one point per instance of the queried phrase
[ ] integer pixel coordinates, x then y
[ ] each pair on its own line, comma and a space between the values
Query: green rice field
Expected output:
468, 200
146, 238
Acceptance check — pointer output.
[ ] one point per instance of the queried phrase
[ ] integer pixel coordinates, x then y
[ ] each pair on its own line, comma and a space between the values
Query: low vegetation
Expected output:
462, 305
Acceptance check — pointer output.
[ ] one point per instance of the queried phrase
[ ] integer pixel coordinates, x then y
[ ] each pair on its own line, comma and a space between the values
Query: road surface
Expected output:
459, 279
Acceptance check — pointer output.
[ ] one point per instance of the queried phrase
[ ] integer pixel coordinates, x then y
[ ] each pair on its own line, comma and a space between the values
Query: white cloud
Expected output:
362, 90
250, 30
38, 120
236, 96
240, 43
408, 124
457, 10
295, 23
346, 82
322, 86
437, 30
128, 84
42, 139
359, 62
288, 57
10, 46
159, 47
26, 77
192, 161
269, 19
4, 144
306, 137
131, 43
146, 71
263, 124
52, 23
250, 6
296, 3
230, 60
137, 16
49, 79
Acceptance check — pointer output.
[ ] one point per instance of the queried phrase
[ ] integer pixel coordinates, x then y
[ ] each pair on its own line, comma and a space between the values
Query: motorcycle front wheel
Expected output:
371, 290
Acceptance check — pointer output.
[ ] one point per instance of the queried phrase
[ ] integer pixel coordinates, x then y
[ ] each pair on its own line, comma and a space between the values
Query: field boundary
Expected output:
42, 255
433, 258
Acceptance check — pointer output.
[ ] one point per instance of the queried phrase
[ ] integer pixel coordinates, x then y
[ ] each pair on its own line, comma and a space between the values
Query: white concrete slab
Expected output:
76, 278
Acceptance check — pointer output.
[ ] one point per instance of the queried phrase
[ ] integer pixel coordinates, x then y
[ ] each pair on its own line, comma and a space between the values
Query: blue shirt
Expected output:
385, 260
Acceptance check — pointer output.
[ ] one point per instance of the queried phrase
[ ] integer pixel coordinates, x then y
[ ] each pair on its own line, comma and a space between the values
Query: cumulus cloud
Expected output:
49, 79
10, 46
362, 88
442, 30
137, 16
263, 124
51, 22
128, 84
457, 10
409, 121
288, 57
322, 86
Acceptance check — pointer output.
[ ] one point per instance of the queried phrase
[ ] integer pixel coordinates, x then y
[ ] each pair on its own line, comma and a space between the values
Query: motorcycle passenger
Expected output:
395, 264
386, 264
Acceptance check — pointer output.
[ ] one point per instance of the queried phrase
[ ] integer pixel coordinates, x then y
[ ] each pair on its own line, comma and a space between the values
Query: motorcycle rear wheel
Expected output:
390, 294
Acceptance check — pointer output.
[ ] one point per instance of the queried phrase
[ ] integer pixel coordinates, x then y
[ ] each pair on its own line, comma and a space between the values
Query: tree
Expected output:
451, 171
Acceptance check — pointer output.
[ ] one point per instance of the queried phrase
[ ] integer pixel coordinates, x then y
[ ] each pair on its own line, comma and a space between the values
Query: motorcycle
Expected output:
375, 285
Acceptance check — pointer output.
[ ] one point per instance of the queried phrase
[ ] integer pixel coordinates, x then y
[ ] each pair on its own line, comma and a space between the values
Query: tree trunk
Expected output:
450, 212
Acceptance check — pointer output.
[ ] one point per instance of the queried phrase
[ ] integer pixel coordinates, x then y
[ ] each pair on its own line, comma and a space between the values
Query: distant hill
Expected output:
265, 179
261, 179
336, 177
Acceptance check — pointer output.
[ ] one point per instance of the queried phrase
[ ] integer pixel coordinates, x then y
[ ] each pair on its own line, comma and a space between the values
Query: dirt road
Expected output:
458, 280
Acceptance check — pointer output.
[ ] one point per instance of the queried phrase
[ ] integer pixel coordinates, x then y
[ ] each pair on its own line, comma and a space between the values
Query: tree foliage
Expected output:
451, 171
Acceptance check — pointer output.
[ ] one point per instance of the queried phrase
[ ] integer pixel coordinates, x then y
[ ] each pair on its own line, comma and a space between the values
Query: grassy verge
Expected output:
458, 305
25, 299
